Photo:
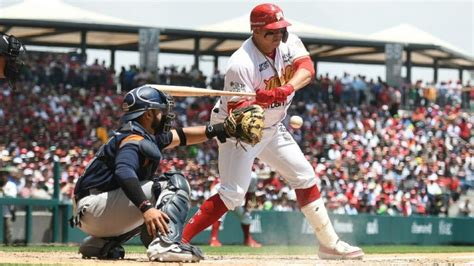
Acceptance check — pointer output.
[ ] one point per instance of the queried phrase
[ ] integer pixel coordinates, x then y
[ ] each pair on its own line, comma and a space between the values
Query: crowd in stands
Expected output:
370, 156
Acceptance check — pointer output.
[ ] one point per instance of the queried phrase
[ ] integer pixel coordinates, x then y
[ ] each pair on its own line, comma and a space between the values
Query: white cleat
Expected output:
341, 251
163, 252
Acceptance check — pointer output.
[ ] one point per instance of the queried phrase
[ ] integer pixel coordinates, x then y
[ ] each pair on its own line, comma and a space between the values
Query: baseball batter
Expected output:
274, 64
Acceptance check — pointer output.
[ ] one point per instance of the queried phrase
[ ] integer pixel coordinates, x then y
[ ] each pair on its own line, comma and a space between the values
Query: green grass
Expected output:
267, 250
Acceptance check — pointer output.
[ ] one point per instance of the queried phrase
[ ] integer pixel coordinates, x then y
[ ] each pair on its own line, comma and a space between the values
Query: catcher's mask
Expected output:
139, 100
11, 48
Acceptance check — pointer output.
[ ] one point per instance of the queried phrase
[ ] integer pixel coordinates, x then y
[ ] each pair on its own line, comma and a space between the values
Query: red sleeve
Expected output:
306, 63
239, 104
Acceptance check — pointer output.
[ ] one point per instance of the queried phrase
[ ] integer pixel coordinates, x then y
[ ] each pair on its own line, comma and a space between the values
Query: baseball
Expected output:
296, 121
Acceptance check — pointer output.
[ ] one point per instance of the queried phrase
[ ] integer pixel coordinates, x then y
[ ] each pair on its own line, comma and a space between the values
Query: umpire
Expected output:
10, 63
118, 192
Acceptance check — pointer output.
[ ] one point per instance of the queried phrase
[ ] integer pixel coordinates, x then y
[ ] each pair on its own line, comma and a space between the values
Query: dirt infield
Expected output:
71, 258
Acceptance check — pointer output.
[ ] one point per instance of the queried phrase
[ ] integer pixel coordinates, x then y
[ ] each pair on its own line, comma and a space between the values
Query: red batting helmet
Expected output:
267, 16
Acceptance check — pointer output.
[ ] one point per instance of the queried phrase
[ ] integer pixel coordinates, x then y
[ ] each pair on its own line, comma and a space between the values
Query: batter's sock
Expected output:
215, 229
211, 210
313, 208
317, 216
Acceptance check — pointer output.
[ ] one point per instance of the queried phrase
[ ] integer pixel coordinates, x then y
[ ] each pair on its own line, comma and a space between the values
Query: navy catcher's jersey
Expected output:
114, 160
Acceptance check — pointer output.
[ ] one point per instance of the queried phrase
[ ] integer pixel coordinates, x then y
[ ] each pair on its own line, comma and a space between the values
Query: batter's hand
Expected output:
156, 221
278, 94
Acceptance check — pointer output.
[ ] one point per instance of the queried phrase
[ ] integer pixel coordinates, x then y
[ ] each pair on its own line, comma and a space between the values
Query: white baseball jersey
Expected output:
249, 70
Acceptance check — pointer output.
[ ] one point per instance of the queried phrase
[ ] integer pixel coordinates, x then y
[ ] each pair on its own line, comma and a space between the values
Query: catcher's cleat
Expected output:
115, 253
341, 251
215, 242
250, 242
164, 252
102, 249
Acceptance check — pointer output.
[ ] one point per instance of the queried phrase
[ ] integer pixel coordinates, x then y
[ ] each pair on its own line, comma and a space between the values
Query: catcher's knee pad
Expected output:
101, 248
172, 192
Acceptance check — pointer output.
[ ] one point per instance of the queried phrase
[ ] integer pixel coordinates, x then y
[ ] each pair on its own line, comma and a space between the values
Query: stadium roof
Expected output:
241, 25
58, 24
425, 47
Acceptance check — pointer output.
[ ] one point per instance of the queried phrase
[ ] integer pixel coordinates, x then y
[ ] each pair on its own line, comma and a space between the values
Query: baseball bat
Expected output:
184, 91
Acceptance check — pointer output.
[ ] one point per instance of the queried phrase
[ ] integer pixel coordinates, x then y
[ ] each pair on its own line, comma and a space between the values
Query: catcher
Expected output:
118, 196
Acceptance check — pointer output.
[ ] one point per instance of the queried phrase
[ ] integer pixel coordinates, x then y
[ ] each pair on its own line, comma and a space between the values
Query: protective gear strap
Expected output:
306, 63
182, 137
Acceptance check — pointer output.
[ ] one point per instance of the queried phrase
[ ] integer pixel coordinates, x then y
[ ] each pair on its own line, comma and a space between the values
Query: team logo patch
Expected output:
287, 57
263, 66
279, 16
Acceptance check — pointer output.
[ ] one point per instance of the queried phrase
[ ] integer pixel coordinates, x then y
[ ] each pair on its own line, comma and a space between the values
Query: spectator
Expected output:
465, 208
7, 189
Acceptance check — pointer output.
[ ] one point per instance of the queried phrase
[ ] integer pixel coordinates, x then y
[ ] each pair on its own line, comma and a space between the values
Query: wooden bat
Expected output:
184, 91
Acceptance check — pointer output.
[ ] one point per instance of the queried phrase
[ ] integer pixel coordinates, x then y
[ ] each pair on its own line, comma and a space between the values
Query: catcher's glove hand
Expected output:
245, 124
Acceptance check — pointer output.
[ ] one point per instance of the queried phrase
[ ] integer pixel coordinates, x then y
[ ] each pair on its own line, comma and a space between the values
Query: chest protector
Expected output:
99, 174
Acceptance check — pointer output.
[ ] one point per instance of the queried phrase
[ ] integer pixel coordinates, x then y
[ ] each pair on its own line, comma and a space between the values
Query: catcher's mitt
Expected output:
245, 124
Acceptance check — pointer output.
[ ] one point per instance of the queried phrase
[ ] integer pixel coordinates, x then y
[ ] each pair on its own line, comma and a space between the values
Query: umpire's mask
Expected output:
139, 100
11, 48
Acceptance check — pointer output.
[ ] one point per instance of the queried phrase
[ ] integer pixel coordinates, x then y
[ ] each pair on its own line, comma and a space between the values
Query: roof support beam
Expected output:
197, 51
216, 44
112, 58
408, 65
83, 45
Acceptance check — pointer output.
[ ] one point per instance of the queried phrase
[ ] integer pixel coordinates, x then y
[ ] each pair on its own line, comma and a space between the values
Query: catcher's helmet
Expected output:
139, 100
10, 48
267, 16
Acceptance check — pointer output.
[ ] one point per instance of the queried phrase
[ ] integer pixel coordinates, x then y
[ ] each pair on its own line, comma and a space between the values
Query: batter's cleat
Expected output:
215, 242
164, 252
250, 242
341, 251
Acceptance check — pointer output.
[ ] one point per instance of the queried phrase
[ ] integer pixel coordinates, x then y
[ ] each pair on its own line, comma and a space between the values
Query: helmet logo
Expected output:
279, 16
